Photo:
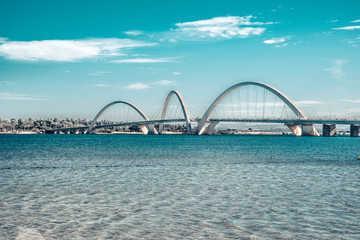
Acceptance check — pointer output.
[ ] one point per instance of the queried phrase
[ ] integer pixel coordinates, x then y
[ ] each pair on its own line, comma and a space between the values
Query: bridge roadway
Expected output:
214, 120
288, 121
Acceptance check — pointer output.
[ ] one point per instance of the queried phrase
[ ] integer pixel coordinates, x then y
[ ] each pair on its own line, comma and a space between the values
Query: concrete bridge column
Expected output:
144, 129
151, 129
354, 130
295, 128
329, 130
308, 130
209, 129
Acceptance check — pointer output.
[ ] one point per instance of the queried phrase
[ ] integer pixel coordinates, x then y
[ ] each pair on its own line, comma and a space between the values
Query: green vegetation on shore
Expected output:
39, 126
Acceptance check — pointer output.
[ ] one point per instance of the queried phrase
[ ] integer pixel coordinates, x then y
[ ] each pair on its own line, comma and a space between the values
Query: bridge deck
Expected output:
287, 121
291, 121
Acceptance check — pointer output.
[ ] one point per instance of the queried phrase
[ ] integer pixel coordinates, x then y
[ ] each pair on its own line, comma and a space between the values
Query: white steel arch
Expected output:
118, 102
201, 125
184, 109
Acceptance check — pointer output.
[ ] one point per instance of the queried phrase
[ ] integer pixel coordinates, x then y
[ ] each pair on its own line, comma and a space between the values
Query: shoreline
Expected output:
175, 133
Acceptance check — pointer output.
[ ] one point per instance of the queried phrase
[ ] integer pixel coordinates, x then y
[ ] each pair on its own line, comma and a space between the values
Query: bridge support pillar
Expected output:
308, 130
151, 129
354, 130
209, 129
296, 129
329, 130
144, 129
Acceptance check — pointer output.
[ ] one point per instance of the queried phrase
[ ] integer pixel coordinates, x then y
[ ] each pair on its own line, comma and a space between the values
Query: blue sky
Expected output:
68, 59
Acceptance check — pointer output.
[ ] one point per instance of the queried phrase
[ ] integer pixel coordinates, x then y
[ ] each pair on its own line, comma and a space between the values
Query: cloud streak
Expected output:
336, 70
21, 97
165, 82
276, 40
137, 86
143, 60
67, 50
347, 28
351, 100
222, 27
99, 73
279, 42
102, 85
6, 83
134, 32
308, 102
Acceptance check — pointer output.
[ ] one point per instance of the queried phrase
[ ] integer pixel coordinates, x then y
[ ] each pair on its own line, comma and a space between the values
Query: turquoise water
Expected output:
179, 187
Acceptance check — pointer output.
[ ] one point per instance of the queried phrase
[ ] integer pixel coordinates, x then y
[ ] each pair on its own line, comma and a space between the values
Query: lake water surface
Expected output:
179, 187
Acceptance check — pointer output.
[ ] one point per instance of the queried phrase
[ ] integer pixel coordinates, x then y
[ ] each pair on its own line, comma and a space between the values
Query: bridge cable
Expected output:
255, 92
272, 114
232, 106
282, 111
171, 108
193, 112
239, 102
156, 114
118, 116
247, 103
264, 102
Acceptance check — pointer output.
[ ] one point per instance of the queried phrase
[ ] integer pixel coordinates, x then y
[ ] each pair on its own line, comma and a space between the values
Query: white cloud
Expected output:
6, 83
150, 68
222, 27
307, 102
281, 45
351, 100
134, 32
354, 42
99, 73
336, 70
355, 21
165, 82
274, 40
67, 50
277, 41
139, 55
101, 85
17, 96
347, 28
143, 60
137, 86
176, 73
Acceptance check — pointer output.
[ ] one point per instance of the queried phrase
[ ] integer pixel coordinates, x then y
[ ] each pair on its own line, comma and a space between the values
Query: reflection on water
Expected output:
156, 187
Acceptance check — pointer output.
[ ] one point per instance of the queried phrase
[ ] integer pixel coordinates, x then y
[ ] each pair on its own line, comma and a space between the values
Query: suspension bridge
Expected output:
245, 102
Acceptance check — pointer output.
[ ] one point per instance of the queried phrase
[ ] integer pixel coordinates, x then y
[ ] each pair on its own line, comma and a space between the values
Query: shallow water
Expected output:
179, 187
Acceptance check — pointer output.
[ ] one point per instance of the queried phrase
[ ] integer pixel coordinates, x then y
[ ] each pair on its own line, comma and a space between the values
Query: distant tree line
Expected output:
40, 125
